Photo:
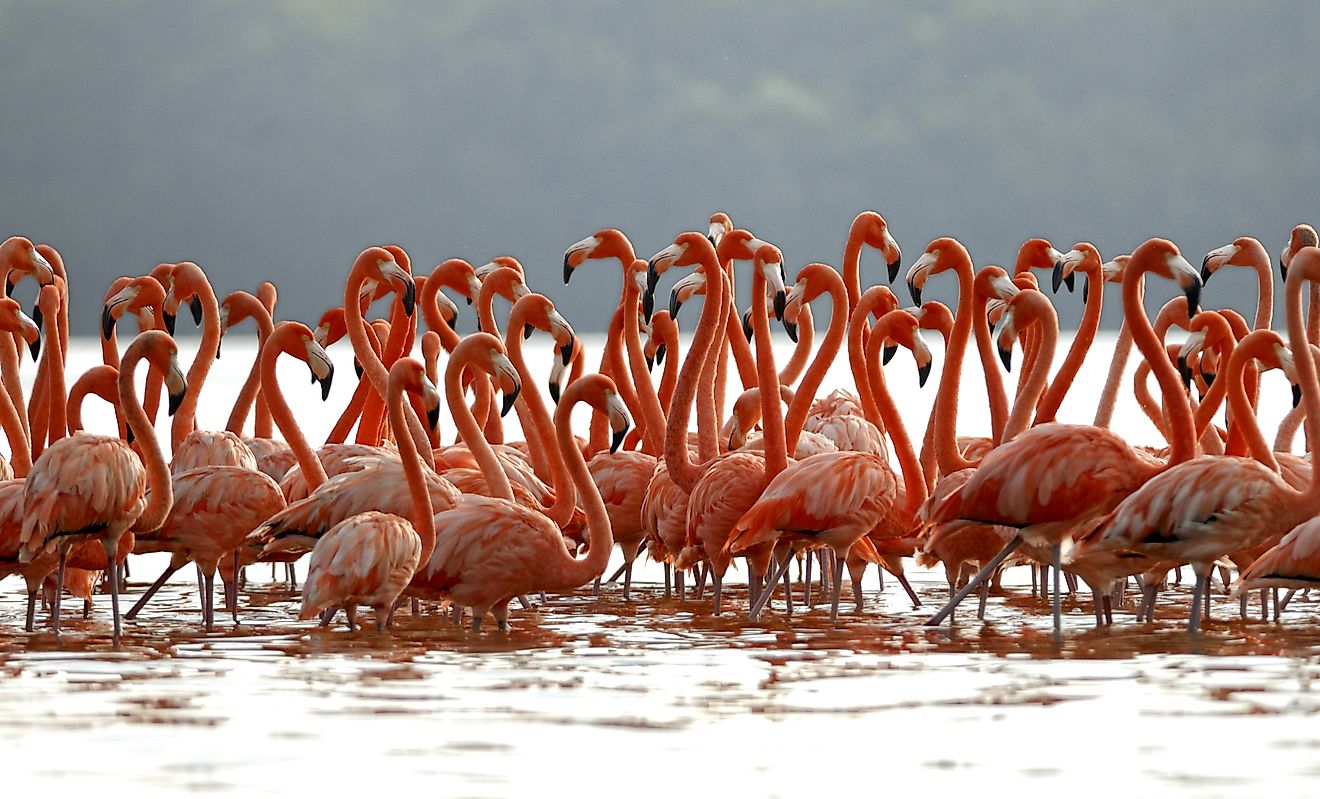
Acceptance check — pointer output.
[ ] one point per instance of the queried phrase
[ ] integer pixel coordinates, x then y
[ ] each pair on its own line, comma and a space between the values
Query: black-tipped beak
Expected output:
37, 317
1070, 281
566, 353
1056, 280
1209, 377
107, 323
1205, 270
660, 354
616, 440
169, 322
1193, 292
1006, 355
527, 332
652, 277
433, 418
792, 331
1283, 270
409, 296
35, 347
747, 325
781, 300
1185, 372
890, 351
568, 270
9, 284
357, 367
195, 305
128, 434
554, 391
177, 399
325, 384
1086, 290
992, 326
1297, 395
712, 241
915, 292
894, 266
509, 398
923, 374
674, 304
650, 363
648, 304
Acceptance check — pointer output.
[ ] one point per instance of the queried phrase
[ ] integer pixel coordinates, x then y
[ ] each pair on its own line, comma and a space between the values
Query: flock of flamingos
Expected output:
392, 513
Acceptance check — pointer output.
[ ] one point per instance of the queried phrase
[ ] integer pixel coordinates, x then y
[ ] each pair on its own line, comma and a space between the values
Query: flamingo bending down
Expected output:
368, 559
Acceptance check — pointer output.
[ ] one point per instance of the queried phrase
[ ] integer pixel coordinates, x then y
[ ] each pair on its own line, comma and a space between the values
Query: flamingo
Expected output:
369, 558
1048, 479
90, 487
490, 550
1210, 506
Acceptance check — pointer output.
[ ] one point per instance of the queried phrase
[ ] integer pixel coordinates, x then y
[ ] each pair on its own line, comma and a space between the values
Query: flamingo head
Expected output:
654, 346
1023, 309
19, 257
565, 356
383, 266
902, 327
720, 225
1162, 257
812, 280
187, 282
684, 290
314, 355
1038, 253
600, 392
410, 376
1301, 236
874, 232
689, 249
13, 320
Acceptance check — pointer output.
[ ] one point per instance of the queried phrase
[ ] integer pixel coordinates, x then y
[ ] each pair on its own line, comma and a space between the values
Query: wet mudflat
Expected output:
643, 695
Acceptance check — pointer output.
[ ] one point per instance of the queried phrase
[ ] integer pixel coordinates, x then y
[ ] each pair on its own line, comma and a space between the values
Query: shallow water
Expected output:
655, 696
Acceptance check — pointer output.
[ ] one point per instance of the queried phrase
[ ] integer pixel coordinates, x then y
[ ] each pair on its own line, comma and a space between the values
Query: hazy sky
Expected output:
275, 140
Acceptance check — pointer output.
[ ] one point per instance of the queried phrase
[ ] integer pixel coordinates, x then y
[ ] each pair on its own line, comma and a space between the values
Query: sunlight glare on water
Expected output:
638, 696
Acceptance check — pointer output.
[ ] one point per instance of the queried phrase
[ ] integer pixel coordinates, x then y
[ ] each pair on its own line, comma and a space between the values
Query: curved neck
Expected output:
1034, 382
55, 391
1306, 377
946, 434
161, 491
600, 536
1081, 344
670, 375
650, 414
398, 343
538, 432
1104, 412
185, 419
423, 514
858, 331
681, 468
772, 414
914, 480
994, 381
313, 471
249, 306
497, 482
1243, 424
829, 348
1182, 434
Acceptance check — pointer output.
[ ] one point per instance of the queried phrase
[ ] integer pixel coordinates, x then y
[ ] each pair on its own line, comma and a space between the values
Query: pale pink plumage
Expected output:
211, 448
366, 559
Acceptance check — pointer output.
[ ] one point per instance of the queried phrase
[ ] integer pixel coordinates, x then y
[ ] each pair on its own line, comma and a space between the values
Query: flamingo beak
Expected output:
326, 381
37, 318
510, 397
527, 332
660, 353
1086, 290
169, 319
568, 269
1056, 280
747, 324
1209, 378
890, 351
893, 267
616, 440
781, 299
357, 367
915, 291
648, 303
1296, 395
650, 363
791, 329
107, 323
674, 303
195, 305
176, 396
923, 374
1185, 371
1193, 293
554, 391
9, 282
1006, 355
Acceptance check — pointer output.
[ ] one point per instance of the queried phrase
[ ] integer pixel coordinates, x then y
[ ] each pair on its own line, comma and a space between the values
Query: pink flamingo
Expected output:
369, 559
90, 487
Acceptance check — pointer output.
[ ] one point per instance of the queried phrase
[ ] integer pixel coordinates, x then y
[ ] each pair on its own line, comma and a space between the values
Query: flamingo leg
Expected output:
806, 580
770, 584
109, 545
151, 591
837, 578
668, 592
680, 586
1202, 579
59, 589
1058, 607
903, 581
209, 593
627, 581
31, 610
975, 582
984, 595
788, 591
719, 590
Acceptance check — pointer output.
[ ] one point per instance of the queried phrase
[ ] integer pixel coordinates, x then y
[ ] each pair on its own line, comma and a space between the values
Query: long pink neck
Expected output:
650, 415
802, 350
247, 395
497, 482
914, 481
682, 470
600, 536
1307, 502
185, 419
946, 435
772, 414
994, 381
423, 519
1104, 412
1034, 383
160, 488
313, 471
829, 348
1081, 344
538, 432
1182, 443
